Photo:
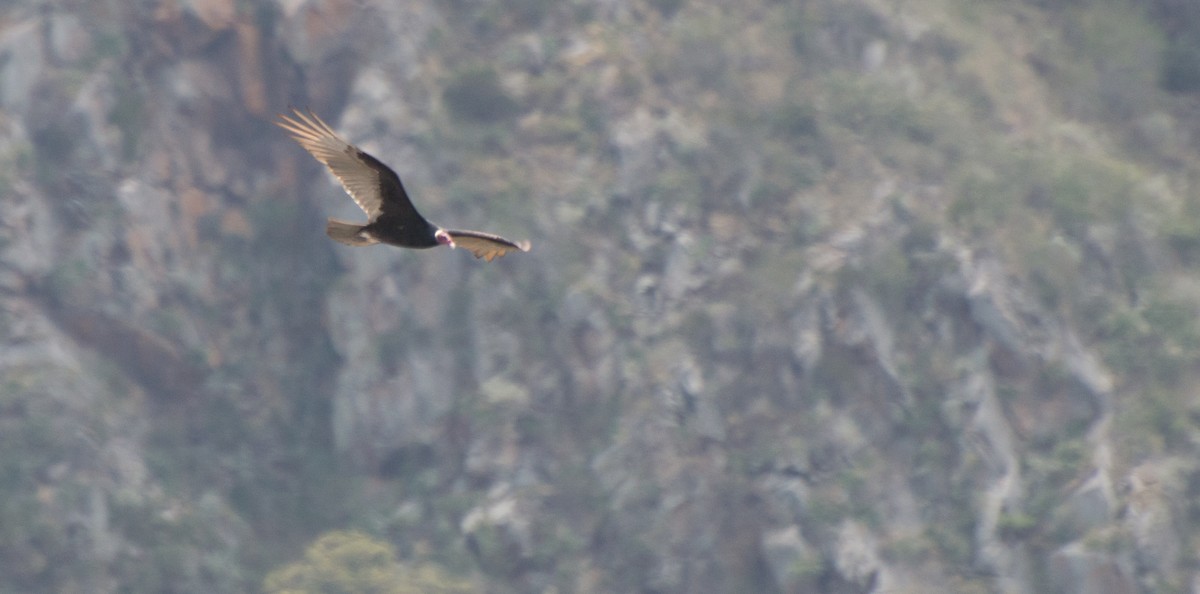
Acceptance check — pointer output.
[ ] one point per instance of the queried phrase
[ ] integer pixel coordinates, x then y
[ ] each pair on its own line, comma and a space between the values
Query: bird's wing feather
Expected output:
485, 245
372, 185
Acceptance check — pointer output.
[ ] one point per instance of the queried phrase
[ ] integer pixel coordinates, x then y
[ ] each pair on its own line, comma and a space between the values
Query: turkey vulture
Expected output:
391, 216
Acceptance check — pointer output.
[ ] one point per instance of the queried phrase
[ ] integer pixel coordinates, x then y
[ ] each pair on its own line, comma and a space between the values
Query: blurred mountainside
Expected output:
824, 296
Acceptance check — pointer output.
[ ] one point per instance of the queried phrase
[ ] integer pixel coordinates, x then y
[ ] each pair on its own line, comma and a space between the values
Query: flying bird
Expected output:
391, 216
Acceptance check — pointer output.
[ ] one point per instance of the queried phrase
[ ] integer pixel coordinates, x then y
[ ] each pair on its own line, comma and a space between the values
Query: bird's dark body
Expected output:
402, 232
399, 223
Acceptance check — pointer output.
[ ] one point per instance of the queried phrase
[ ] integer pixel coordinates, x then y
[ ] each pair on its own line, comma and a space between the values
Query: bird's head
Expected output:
444, 238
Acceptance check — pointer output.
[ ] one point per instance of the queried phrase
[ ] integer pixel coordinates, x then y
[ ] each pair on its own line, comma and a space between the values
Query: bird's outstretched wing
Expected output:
372, 185
485, 245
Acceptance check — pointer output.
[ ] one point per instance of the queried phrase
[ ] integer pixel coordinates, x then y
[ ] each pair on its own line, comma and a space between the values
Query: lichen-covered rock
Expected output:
1076, 570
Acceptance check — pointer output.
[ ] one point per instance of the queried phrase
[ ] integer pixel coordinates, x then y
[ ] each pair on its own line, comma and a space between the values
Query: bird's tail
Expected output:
347, 233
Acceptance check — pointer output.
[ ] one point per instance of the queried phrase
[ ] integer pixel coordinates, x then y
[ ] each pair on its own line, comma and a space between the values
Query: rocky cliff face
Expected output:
841, 297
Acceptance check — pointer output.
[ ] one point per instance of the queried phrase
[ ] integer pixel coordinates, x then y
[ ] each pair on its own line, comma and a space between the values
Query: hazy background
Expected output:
836, 296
